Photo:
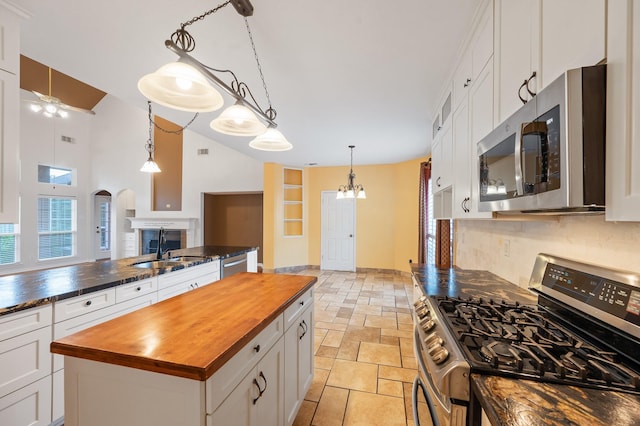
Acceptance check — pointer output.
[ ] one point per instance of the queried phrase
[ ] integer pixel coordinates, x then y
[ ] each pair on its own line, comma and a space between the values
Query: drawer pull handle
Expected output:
256, 348
304, 327
302, 303
88, 303
261, 390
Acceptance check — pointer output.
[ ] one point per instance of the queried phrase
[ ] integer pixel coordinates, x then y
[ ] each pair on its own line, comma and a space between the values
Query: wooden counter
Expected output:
191, 335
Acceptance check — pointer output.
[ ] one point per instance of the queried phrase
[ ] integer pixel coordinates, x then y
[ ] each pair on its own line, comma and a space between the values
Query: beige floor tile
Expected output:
390, 340
381, 322
331, 325
357, 319
367, 309
364, 409
354, 375
339, 320
404, 318
406, 347
331, 408
317, 385
333, 338
395, 373
323, 316
324, 363
348, 350
327, 351
305, 414
377, 353
390, 387
362, 334
408, 334
409, 362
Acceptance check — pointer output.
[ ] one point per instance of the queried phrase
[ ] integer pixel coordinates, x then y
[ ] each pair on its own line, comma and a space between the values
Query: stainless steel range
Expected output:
584, 331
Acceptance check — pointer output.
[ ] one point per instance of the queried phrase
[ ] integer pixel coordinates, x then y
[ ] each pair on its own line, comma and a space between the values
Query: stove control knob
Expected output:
431, 338
435, 341
440, 355
420, 302
427, 324
435, 348
422, 312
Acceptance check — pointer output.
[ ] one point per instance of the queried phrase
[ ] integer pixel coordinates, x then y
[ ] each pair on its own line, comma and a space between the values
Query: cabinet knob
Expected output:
466, 84
88, 303
138, 288
302, 303
256, 348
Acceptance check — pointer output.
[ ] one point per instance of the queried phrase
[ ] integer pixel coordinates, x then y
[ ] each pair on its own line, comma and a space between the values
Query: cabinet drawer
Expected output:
136, 289
296, 308
24, 359
83, 304
12, 325
226, 378
198, 273
79, 323
30, 405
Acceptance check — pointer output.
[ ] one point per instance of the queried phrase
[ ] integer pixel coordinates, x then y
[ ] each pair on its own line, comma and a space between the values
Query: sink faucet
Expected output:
161, 241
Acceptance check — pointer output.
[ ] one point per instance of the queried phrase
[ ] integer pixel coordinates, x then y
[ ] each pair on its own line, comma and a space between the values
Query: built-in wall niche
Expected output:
293, 202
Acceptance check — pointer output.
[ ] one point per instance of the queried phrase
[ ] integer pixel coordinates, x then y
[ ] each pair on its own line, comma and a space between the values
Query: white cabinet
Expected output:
298, 357
25, 381
257, 400
183, 280
9, 115
547, 37
441, 159
623, 112
252, 261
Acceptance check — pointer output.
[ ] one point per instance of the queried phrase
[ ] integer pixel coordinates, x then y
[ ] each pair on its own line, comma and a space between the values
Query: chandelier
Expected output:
150, 166
351, 190
188, 85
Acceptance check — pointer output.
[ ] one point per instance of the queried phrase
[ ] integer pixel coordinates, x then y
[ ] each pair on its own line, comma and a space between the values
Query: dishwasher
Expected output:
233, 265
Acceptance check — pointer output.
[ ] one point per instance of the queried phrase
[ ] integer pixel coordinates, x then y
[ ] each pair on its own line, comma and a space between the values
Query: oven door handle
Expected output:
417, 383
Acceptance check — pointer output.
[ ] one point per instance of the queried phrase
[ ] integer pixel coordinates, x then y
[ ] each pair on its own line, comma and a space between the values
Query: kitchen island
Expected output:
229, 349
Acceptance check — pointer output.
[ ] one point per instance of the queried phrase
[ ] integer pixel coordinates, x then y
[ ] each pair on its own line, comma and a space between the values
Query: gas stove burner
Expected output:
515, 315
507, 331
500, 354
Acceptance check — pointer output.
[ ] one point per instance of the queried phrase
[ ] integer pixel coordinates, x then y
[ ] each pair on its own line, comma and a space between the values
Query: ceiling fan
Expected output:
50, 106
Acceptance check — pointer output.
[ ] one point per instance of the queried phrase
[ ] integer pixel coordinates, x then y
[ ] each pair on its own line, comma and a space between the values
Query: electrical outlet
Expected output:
506, 248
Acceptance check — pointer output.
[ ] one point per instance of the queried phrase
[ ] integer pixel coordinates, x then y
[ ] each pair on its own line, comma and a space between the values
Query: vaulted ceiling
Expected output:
358, 72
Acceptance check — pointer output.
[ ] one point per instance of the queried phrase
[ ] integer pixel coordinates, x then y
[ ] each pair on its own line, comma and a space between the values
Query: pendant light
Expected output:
351, 190
150, 166
188, 85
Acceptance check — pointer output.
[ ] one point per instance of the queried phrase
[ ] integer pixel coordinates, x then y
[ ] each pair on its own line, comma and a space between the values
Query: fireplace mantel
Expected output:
160, 222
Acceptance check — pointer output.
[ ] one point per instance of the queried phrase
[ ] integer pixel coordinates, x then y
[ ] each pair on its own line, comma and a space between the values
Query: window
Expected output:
56, 227
105, 223
9, 243
56, 175
431, 228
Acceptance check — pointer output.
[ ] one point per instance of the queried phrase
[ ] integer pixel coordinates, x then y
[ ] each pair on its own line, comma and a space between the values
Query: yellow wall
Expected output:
386, 221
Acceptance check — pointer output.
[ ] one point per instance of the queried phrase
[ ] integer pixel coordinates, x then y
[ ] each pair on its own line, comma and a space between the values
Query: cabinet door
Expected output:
441, 156
514, 51
298, 357
270, 372
461, 161
28, 406
237, 409
572, 35
623, 112
9, 146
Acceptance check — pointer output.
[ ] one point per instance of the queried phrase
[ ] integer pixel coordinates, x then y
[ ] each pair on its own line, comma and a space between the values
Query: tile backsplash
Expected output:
508, 248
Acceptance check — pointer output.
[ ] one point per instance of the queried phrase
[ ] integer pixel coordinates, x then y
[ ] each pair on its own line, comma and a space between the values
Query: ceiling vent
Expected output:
68, 139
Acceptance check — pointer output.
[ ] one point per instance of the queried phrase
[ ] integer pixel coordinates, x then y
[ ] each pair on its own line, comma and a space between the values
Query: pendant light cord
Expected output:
271, 113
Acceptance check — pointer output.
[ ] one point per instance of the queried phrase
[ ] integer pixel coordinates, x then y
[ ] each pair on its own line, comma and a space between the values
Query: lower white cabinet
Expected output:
257, 400
298, 356
25, 367
28, 406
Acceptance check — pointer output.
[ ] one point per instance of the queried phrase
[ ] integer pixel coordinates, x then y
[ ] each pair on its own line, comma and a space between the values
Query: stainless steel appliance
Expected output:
550, 154
584, 331
232, 265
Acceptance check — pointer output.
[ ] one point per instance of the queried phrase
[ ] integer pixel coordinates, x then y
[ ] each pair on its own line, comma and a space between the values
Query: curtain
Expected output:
443, 243
423, 226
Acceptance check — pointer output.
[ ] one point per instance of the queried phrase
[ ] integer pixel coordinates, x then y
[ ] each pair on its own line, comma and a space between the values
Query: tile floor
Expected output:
364, 360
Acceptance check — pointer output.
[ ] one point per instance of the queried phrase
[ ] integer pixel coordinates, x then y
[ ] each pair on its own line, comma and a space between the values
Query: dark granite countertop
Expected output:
35, 288
515, 402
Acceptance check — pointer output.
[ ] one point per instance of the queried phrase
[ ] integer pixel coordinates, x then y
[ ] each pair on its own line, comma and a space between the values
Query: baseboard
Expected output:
299, 268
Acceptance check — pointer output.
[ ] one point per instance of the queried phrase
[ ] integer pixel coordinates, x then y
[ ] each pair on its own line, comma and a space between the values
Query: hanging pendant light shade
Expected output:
238, 120
150, 166
271, 140
351, 189
180, 86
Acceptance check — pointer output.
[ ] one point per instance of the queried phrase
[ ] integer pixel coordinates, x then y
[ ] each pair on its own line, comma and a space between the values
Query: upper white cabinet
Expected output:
547, 37
623, 109
9, 115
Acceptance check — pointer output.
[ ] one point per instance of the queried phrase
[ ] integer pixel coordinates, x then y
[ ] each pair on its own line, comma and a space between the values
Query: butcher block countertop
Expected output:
191, 335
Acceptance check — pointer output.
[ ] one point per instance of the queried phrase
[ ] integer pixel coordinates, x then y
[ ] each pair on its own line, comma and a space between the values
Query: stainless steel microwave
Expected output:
549, 156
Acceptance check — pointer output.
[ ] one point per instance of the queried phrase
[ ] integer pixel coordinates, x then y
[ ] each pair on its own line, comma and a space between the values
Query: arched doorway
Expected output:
102, 225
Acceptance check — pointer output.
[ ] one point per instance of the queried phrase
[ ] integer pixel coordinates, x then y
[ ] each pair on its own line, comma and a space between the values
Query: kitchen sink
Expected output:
157, 264
186, 258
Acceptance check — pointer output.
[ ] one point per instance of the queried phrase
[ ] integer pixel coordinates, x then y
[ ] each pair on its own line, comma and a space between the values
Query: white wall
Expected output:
481, 244
107, 152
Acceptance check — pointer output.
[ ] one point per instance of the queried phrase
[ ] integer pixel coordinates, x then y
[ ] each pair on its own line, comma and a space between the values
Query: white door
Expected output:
102, 226
338, 247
